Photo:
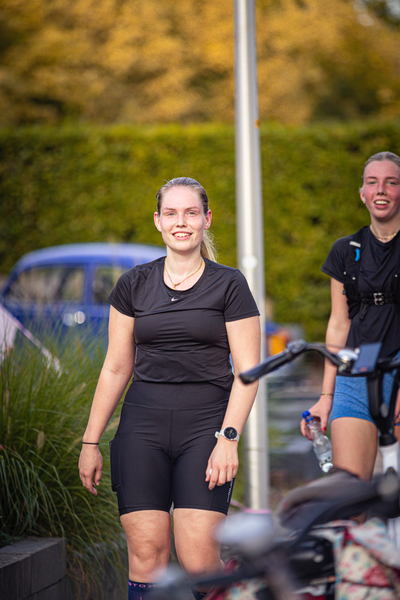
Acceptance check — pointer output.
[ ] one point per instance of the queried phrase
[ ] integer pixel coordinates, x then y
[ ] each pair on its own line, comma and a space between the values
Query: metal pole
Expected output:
250, 233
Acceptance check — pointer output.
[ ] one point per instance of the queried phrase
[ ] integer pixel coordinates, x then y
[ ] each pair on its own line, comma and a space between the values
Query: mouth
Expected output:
181, 235
381, 202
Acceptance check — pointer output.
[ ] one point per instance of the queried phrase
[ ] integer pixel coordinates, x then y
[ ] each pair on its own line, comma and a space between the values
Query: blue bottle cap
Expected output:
307, 415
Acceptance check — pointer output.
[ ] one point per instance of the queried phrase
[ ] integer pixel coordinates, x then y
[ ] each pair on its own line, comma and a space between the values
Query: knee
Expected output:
148, 550
148, 545
147, 559
196, 548
198, 562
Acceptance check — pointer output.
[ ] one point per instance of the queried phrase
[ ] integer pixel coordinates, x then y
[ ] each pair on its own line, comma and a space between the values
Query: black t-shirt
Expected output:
180, 336
379, 263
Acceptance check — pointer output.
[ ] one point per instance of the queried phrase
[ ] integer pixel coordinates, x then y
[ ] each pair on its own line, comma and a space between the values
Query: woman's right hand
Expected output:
90, 467
320, 410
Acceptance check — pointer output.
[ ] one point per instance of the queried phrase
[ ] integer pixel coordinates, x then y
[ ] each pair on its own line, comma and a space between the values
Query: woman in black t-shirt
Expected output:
355, 319
174, 323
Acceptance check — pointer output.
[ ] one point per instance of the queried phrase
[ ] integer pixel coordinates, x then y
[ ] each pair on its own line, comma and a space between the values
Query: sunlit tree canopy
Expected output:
107, 61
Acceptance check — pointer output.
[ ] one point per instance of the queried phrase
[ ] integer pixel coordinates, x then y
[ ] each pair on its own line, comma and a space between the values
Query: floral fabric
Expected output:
367, 564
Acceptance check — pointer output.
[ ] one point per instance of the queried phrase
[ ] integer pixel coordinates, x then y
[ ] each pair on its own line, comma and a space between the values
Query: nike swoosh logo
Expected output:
173, 299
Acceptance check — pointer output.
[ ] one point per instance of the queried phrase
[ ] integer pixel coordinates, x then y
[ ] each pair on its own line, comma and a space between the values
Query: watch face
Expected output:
230, 433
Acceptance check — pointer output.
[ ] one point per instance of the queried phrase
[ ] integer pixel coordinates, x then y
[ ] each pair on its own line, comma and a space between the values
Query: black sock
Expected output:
198, 595
138, 591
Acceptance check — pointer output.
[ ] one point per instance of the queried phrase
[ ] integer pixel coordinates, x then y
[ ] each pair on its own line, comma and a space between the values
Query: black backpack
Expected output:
351, 273
355, 299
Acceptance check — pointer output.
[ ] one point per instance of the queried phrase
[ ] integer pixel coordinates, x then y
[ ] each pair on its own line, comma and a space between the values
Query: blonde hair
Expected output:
381, 156
207, 248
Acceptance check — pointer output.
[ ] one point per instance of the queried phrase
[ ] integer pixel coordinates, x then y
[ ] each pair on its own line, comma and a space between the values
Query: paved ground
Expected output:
288, 399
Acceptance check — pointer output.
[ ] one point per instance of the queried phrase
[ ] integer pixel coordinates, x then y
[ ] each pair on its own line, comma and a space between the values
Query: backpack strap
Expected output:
354, 250
351, 272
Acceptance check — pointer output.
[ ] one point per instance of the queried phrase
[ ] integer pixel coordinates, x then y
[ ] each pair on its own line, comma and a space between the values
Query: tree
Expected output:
109, 61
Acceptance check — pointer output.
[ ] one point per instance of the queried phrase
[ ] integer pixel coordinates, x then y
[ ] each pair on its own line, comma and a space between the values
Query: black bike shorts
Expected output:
159, 455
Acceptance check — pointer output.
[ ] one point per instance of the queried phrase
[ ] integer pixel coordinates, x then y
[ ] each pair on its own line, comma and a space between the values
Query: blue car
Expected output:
65, 288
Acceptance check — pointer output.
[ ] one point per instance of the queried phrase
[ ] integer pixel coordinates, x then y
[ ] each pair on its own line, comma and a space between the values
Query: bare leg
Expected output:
147, 535
397, 432
354, 445
196, 548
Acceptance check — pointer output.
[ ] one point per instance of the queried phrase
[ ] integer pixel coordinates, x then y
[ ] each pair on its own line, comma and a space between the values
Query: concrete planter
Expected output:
34, 569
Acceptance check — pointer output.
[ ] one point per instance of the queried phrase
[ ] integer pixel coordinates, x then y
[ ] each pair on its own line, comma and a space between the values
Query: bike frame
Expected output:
284, 559
349, 363
384, 417
269, 557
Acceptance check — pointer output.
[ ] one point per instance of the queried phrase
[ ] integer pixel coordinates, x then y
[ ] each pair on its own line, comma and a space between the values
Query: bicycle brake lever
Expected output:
347, 357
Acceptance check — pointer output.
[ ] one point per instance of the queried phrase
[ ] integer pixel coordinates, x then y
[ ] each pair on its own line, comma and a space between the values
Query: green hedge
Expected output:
87, 183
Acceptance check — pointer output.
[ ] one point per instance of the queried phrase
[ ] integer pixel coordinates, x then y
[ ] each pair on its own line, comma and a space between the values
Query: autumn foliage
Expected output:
152, 61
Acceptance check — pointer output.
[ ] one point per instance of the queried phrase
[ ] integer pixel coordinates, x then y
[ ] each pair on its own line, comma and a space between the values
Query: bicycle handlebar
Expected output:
257, 538
292, 351
359, 362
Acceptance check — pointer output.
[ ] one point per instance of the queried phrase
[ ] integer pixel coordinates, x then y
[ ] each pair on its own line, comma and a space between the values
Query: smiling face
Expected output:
182, 220
381, 191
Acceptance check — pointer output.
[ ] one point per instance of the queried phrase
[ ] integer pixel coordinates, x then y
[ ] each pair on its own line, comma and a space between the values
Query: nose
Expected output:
181, 220
381, 188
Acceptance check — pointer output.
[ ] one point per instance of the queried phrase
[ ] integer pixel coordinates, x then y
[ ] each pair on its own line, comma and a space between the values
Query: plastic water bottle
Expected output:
321, 443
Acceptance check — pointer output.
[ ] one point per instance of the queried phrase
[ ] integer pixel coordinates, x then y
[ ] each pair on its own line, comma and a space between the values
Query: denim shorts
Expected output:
351, 396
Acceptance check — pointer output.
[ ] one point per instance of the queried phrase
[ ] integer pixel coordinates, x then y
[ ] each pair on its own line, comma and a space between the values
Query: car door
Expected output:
47, 298
101, 279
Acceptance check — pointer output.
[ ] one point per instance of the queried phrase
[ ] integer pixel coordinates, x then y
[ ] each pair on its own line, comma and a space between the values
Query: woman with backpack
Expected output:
365, 294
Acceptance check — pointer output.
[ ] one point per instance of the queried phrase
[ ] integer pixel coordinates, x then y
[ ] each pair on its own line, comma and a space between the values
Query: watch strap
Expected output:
222, 432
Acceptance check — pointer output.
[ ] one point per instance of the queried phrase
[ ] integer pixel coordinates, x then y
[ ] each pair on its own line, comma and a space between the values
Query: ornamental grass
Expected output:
43, 414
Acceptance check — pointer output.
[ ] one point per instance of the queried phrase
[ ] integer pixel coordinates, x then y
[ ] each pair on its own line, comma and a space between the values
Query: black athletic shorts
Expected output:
160, 452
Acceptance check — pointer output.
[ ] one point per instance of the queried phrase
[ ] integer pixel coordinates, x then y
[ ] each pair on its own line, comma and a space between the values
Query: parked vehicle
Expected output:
66, 287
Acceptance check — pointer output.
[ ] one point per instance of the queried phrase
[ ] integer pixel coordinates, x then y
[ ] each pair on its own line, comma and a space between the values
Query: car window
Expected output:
104, 280
47, 285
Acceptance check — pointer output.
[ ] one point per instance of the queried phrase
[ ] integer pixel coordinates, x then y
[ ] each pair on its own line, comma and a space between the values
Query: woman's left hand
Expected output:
223, 463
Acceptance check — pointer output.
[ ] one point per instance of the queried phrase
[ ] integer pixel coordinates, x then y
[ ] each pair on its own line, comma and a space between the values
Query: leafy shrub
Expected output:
82, 184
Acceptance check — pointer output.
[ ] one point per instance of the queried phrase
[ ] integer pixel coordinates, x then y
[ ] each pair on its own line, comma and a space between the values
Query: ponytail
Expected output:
207, 248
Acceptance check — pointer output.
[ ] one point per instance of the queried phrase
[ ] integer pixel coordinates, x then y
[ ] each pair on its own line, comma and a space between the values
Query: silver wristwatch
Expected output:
229, 433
